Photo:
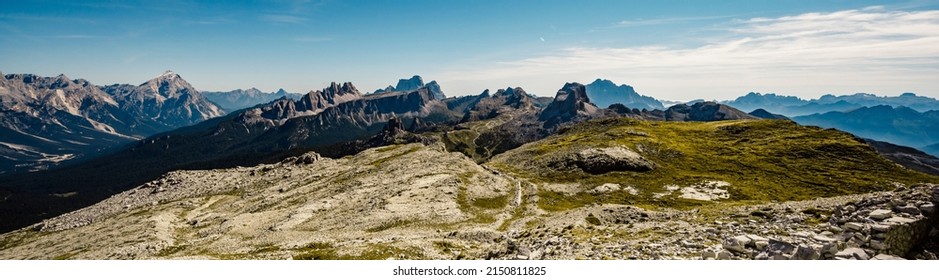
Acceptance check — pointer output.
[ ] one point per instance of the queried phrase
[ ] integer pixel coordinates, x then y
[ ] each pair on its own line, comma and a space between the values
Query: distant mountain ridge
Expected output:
238, 99
414, 83
900, 125
604, 93
792, 106
48, 121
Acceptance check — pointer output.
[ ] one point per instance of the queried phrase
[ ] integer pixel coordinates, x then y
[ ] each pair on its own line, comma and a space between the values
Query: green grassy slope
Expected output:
763, 160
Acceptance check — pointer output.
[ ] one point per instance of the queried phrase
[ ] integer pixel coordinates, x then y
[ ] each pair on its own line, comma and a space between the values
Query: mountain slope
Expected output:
907, 157
755, 159
903, 126
763, 114
167, 99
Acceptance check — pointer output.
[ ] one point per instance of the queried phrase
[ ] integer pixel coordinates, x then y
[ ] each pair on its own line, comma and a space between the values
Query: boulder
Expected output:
909, 209
854, 226
885, 257
880, 214
603, 160
724, 255
928, 208
736, 244
805, 253
779, 249
852, 253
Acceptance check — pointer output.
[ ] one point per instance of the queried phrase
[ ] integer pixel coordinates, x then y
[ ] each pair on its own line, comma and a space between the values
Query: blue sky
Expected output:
666, 49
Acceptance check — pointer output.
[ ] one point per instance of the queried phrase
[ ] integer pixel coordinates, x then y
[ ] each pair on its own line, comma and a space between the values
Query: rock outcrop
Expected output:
570, 104
603, 160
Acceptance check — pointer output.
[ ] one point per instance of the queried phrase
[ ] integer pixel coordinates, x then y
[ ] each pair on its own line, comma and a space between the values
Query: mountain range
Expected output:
238, 99
48, 121
897, 125
604, 93
792, 106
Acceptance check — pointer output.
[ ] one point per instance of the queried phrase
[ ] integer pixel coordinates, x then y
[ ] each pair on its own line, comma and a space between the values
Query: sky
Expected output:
714, 50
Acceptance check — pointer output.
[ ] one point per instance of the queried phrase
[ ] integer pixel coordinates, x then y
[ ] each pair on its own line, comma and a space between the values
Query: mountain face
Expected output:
48, 121
901, 125
793, 106
238, 99
504, 101
604, 93
571, 103
907, 157
412, 84
167, 99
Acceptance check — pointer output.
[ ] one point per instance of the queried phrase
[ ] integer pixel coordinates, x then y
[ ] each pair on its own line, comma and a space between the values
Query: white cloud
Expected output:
869, 50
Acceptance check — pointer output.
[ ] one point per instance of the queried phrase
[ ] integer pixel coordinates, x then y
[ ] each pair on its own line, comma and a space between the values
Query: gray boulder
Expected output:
603, 160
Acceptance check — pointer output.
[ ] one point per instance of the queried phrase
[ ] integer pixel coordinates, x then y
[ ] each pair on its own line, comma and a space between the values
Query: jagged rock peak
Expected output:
334, 94
575, 91
413, 83
345, 88
435, 90
570, 102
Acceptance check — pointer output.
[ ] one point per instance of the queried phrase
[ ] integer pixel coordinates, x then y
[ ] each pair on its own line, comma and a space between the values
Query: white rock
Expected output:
736, 244
880, 214
886, 257
854, 226
761, 244
899, 220
878, 227
852, 253
708, 255
724, 255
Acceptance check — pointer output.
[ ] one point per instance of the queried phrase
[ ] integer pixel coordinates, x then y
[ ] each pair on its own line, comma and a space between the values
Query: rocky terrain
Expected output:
238, 99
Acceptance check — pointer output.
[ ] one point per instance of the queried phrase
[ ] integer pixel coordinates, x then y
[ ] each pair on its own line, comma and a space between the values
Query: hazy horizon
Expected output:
717, 51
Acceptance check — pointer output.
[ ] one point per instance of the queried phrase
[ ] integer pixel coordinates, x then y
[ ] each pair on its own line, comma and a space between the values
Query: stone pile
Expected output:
888, 226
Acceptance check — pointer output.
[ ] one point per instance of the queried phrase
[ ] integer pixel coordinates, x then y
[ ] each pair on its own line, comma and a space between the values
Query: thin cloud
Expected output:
670, 20
286, 19
812, 53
